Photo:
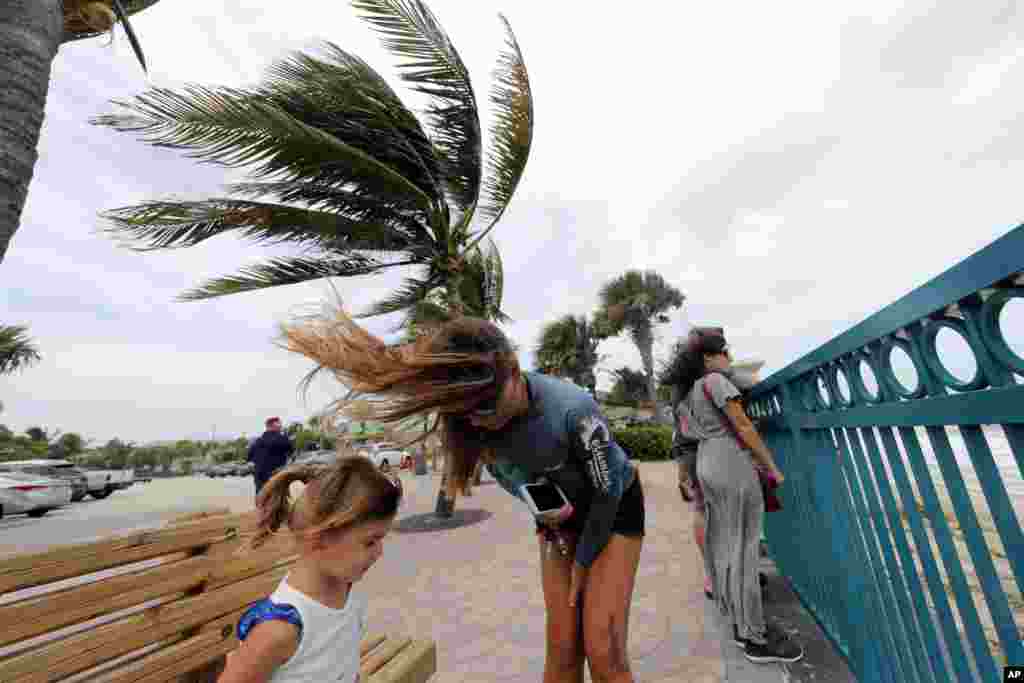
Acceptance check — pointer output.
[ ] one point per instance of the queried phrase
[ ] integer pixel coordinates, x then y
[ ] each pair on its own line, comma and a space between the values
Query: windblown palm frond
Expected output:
238, 129
481, 289
168, 225
346, 98
410, 31
413, 291
285, 271
17, 350
512, 130
483, 283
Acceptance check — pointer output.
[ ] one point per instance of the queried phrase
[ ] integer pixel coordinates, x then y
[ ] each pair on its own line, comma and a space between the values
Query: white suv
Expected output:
385, 455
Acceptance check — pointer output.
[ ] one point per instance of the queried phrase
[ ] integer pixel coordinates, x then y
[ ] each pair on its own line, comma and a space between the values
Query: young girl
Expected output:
309, 629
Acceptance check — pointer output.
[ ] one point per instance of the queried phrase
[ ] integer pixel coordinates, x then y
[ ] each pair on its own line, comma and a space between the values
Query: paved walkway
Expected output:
476, 591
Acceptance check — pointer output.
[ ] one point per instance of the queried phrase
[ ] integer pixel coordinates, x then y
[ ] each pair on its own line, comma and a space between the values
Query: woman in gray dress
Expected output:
733, 502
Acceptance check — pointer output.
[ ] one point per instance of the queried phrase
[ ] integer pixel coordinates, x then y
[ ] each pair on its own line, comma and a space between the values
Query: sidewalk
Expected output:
476, 591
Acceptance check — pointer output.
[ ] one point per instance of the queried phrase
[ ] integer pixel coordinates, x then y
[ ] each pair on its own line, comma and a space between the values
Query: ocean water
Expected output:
1002, 454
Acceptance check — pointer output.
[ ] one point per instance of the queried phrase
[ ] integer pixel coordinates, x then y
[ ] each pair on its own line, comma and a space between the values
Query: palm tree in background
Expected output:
568, 346
31, 31
17, 350
341, 168
635, 302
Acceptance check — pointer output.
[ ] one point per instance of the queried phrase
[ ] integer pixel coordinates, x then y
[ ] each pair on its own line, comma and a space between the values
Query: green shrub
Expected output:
645, 443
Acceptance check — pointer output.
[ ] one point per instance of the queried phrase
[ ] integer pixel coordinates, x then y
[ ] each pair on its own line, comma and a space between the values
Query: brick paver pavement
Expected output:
476, 590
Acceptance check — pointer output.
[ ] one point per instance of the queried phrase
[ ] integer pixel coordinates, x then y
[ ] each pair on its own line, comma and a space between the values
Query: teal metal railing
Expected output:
899, 530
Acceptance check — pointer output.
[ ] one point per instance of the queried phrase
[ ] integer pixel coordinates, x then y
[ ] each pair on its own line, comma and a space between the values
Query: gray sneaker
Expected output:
778, 647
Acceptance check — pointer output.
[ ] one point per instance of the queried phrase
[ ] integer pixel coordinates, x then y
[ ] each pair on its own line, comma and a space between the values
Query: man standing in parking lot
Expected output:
269, 452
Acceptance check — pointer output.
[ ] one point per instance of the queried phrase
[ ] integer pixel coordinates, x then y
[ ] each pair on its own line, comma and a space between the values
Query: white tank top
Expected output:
328, 650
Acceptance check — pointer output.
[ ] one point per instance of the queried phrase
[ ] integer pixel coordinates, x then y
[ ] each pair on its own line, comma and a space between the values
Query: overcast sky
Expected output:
791, 167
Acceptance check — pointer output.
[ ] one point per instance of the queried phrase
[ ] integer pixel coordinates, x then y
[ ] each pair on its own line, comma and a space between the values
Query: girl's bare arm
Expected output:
268, 646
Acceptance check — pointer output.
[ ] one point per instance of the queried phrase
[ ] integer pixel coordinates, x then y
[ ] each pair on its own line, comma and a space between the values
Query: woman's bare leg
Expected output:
606, 600
563, 659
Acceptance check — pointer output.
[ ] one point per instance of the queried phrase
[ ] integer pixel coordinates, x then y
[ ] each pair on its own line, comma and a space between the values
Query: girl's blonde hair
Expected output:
450, 369
339, 496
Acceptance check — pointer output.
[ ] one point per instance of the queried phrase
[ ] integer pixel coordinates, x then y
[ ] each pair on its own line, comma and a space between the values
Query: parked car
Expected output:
32, 494
104, 482
317, 458
99, 483
385, 455
71, 474
222, 470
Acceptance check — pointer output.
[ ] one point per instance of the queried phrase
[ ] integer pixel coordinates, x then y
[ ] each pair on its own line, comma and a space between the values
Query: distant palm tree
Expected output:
17, 350
31, 31
568, 346
341, 167
635, 302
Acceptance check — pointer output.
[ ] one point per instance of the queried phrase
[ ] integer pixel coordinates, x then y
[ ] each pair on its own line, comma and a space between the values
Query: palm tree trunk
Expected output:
30, 33
445, 506
645, 344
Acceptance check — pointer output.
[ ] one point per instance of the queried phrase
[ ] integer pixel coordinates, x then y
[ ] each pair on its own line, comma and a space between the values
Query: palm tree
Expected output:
31, 31
344, 170
17, 350
341, 168
635, 302
568, 346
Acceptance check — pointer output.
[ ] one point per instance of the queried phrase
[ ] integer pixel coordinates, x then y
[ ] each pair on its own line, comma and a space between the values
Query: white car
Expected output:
386, 455
317, 458
32, 494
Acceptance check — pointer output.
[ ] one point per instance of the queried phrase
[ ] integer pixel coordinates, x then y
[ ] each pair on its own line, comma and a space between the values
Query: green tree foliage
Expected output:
635, 302
645, 443
17, 350
568, 347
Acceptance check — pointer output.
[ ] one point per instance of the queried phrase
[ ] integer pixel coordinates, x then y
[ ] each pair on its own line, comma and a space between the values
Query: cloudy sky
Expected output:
791, 167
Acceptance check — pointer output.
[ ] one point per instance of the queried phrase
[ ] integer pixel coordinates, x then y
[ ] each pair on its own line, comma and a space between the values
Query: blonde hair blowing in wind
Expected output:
336, 497
450, 370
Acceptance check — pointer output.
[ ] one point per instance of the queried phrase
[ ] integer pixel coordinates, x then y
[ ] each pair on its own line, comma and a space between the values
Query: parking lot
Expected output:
137, 507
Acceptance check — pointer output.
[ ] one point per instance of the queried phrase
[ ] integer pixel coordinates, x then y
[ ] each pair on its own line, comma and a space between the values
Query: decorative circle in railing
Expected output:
840, 385
897, 363
805, 389
955, 344
1003, 306
821, 388
865, 379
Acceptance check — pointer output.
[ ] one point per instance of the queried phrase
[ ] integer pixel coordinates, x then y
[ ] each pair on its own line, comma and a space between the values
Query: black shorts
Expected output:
629, 521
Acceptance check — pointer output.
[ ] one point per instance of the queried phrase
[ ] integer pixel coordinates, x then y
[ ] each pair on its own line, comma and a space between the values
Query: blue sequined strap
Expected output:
266, 610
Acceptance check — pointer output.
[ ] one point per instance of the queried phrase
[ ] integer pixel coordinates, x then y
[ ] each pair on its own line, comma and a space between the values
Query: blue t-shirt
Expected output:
566, 439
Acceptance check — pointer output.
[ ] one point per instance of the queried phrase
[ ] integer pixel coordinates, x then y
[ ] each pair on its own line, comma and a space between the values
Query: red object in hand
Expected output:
768, 485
